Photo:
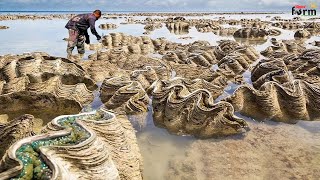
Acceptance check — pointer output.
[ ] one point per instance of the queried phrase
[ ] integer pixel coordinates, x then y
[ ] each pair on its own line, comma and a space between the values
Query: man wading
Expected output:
78, 33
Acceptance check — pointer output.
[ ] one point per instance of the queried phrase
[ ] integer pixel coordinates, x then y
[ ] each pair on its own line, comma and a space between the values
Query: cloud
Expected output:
151, 5
276, 2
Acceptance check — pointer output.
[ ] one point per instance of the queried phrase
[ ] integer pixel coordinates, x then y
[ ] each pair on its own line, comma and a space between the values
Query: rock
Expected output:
251, 33
152, 26
282, 48
225, 31
274, 32
288, 25
4, 27
316, 43
178, 28
207, 27
302, 34
108, 26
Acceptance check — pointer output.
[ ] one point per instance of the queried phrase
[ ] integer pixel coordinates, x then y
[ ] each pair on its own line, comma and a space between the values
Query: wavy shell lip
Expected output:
282, 88
12, 150
123, 93
171, 100
194, 99
108, 26
39, 64
39, 74
199, 53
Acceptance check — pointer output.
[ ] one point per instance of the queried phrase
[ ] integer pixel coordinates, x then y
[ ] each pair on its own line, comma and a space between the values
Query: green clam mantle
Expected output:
34, 166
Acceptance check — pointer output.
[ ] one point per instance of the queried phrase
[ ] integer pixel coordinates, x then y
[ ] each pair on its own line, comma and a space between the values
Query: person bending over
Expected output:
78, 34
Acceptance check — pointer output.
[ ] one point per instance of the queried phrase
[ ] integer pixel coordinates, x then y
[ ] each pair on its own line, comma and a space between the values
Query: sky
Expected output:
152, 5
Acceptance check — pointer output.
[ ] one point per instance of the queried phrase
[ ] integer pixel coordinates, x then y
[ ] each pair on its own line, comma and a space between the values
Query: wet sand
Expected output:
270, 150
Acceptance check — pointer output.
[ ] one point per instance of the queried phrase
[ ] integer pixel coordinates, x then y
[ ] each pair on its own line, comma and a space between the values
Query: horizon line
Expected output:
105, 11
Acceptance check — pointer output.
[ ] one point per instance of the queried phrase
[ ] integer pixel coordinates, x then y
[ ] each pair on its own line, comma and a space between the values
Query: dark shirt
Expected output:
82, 22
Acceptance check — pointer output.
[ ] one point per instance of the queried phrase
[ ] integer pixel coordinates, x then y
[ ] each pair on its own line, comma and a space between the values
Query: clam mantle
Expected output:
94, 145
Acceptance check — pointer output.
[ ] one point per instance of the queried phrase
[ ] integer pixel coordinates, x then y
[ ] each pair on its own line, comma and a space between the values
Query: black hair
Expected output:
97, 12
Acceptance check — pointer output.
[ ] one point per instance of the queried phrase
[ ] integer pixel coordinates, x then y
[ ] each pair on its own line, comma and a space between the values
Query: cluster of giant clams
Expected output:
185, 87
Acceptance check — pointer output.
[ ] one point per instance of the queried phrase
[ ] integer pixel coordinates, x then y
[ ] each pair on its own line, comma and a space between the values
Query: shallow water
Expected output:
157, 146
269, 150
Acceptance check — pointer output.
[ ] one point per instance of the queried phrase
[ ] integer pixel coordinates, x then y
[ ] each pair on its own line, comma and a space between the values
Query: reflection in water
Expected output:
96, 103
157, 146
269, 151
252, 41
179, 31
178, 27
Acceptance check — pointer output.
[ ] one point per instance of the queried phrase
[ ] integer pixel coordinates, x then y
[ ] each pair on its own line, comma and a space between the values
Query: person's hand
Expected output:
87, 41
98, 37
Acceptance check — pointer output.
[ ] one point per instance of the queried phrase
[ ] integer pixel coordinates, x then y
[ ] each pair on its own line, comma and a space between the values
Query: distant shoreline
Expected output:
176, 12
33, 15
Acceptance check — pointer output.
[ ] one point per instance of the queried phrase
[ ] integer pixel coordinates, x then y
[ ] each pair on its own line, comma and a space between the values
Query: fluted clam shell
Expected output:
15, 130
183, 108
251, 33
285, 89
110, 151
40, 68
124, 93
273, 101
108, 26
53, 88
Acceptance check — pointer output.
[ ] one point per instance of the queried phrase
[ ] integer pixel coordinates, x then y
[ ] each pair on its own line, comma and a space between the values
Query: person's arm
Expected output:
87, 37
92, 22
